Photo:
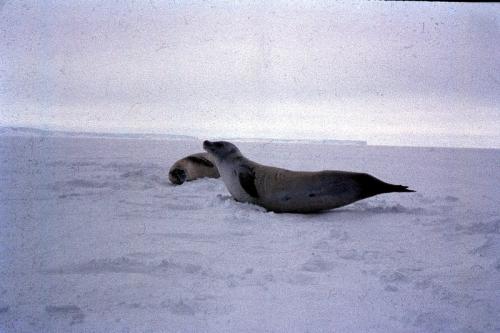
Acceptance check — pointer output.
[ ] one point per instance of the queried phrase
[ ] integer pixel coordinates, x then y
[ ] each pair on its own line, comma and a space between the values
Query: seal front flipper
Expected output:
247, 181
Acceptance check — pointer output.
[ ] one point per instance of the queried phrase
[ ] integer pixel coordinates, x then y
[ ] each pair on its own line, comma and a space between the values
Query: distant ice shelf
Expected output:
28, 131
298, 141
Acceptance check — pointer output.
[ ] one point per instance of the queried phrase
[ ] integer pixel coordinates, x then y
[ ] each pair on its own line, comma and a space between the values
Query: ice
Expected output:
95, 239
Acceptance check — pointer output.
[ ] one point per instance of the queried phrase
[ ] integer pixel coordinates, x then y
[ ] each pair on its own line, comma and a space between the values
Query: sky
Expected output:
390, 73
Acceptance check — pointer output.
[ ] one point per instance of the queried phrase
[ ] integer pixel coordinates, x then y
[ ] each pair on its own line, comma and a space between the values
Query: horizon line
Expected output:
124, 134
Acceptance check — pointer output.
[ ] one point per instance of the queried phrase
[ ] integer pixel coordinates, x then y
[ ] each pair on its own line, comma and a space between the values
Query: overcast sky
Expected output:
386, 72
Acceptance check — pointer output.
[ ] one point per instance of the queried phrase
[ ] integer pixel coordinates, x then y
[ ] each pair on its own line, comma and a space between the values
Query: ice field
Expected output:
93, 238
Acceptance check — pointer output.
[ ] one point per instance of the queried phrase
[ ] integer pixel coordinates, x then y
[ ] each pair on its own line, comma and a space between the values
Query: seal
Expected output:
282, 190
193, 167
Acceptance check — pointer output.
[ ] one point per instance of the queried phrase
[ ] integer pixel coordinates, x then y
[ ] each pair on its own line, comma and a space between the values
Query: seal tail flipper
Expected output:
370, 186
397, 188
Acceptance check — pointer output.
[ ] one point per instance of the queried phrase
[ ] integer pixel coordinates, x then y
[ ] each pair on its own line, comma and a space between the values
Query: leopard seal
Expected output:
282, 190
193, 167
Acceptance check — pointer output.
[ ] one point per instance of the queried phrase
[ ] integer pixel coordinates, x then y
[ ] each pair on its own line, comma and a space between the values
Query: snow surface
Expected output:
94, 239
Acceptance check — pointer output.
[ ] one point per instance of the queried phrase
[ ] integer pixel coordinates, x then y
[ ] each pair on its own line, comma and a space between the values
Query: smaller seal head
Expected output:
177, 176
221, 150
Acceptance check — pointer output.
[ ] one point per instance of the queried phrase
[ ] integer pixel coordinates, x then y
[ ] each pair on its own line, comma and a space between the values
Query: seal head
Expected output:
221, 150
177, 176
237, 172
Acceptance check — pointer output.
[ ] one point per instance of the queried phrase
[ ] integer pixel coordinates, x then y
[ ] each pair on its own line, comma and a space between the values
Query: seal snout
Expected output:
207, 144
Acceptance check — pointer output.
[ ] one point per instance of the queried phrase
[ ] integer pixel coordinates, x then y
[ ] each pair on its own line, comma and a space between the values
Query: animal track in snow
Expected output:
317, 264
126, 265
65, 311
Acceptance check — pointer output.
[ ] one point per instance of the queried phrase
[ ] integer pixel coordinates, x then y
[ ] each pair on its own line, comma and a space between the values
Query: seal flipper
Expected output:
247, 181
370, 186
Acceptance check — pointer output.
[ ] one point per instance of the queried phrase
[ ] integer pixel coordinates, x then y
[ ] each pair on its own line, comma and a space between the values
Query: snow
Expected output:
95, 239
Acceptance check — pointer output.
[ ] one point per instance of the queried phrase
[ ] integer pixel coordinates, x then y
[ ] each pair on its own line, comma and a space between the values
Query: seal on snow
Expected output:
282, 190
192, 167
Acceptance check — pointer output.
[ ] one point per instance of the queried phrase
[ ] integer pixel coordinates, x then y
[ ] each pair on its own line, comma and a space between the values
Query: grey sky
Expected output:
386, 72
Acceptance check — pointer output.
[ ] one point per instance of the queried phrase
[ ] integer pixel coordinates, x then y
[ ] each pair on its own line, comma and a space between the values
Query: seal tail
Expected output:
396, 188
371, 186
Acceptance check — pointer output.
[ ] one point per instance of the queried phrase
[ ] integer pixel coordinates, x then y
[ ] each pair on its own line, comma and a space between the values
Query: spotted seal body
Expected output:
282, 190
193, 167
